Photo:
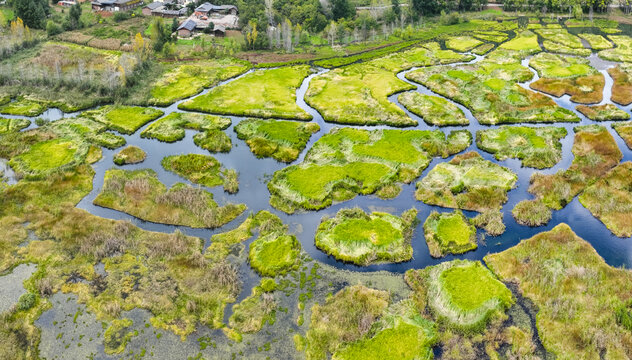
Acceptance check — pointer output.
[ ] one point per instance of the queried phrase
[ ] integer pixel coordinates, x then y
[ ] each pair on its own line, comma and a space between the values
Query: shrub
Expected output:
26, 301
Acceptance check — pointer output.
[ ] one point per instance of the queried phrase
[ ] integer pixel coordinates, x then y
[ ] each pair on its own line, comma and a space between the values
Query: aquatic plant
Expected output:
130, 155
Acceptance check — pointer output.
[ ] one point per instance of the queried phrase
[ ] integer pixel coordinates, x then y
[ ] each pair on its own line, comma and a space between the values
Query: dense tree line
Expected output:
557, 5
32, 12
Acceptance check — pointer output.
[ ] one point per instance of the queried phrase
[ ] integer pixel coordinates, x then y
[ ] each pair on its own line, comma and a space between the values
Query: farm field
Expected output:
456, 188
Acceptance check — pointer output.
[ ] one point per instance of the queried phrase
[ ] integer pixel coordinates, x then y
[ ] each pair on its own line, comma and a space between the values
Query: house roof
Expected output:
154, 5
206, 7
187, 25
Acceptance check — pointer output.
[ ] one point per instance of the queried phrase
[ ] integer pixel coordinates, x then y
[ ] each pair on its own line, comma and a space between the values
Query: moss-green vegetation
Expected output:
575, 291
348, 161
357, 94
202, 169
568, 75
467, 182
558, 48
189, 79
610, 199
141, 194
483, 49
124, 119
595, 152
494, 36
537, 147
462, 43
275, 253
561, 37
433, 109
622, 52
604, 112
489, 89
86, 130
597, 42
625, 131
526, 42
130, 155
622, 86
250, 315
363, 239
463, 294
406, 339
449, 233
281, 140
531, 213
24, 107
117, 335
171, 127
13, 125
214, 141
45, 157
262, 93
345, 317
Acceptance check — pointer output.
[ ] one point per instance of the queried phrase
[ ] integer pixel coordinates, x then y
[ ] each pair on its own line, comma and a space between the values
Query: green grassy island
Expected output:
348, 161
124, 119
449, 233
573, 76
622, 86
363, 239
433, 109
537, 147
130, 155
202, 169
596, 152
281, 140
557, 264
624, 130
464, 294
140, 194
604, 112
610, 199
13, 125
261, 93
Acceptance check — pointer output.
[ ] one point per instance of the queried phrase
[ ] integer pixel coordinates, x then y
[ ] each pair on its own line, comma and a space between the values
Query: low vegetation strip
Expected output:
604, 112
561, 36
189, 79
568, 75
462, 293
349, 161
622, 52
23, 107
130, 155
124, 119
171, 128
462, 43
490, 89
577, 294
433, 110
13, 125
537, 147
202, 169
449, 233
278, 139
622, 86
467, 182
597, 42
360, 238
270, 94
140, 194
595, 151
610, 200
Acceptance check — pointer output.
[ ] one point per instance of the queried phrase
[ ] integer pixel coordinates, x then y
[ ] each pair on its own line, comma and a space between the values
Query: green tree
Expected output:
341, 9
74, 18
160, 35
397, 11
32, 12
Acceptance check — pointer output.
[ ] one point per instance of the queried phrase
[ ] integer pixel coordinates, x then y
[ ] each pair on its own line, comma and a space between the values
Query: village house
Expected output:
222, 18
115, 5
165, 9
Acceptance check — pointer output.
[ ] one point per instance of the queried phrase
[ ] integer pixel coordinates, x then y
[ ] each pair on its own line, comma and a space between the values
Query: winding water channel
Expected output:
254, 174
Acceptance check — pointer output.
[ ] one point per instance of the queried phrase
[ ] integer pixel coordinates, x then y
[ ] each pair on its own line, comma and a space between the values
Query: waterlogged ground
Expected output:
70, 331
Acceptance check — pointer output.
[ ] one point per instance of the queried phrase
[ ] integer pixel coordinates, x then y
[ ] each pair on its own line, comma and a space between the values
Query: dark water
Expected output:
254, 173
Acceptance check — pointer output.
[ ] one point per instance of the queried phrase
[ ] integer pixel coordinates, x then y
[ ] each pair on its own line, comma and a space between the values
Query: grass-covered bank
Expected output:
363, 239
141, 194
449, 233
578, 295
347, 162
261, 93
281, 140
